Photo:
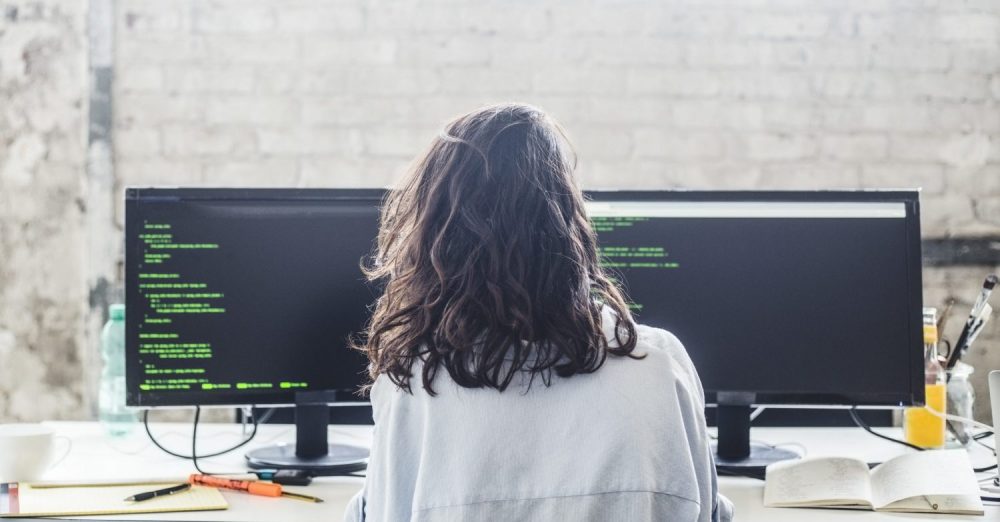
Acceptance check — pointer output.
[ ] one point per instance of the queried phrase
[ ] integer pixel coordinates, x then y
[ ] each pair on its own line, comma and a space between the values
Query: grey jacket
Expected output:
626, 443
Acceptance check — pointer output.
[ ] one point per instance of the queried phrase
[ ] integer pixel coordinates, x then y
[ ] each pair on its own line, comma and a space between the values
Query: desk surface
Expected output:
97, 457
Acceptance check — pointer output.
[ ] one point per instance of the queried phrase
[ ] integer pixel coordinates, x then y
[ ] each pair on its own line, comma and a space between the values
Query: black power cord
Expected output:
194, 436
864, 425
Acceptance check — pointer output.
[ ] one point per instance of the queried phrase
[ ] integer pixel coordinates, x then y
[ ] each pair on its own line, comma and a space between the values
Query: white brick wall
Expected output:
721, 94
655, 94
789, 93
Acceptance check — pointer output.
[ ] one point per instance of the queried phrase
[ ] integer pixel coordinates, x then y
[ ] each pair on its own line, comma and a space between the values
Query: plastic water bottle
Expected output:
118, 420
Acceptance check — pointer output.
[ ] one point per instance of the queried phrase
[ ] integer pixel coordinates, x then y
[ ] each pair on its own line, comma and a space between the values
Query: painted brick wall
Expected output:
655, 94
700, 94
717, 93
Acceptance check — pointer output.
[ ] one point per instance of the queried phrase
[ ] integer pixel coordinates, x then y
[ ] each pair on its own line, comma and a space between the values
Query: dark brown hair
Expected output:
489, 262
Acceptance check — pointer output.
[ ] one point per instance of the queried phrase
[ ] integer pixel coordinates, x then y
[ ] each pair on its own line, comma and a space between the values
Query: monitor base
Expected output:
340, 459
760, 456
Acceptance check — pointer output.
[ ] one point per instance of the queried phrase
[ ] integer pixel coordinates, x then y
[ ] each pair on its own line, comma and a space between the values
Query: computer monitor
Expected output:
248, 297
781, 298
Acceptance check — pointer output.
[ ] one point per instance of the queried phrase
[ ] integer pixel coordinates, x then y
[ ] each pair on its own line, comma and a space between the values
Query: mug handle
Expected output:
65, 453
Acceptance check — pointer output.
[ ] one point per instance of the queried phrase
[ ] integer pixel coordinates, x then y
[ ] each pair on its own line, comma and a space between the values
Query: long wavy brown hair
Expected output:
489, 264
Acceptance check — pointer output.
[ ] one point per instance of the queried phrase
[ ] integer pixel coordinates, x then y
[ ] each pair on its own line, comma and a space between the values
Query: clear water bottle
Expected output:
117, 419
961, 398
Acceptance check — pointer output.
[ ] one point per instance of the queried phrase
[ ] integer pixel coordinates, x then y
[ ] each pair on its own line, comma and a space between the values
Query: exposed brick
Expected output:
679, 82
187, 141
393, 81
715, 115
446, 51
140, 79
764, 86
138, 143
770, 147
353, 111
252, 109
321, 51
868, 85
220, 18
966, 27
681, 23
678, 145
602, 143
628, 110
146, 172
270, 172
564, 80
955, 87
338, 171
929, 177
230, 49
809, 176
783, 25
485, 81
312, 19
710, 54
743, 94
399, 141
155, 109
975, 182
189, 79
306, 141
854, 147
624, 51
916, 148
910, 57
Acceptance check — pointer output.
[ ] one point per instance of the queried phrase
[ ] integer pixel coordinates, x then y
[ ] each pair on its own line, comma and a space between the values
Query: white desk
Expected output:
95, 456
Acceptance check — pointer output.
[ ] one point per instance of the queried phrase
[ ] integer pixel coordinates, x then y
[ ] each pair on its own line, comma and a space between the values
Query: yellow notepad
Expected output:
26, 501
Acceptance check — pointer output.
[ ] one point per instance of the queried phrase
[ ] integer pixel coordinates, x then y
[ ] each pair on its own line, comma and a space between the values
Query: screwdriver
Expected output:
253, 487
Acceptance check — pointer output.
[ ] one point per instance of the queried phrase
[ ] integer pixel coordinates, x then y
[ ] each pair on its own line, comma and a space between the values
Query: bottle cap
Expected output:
117, 312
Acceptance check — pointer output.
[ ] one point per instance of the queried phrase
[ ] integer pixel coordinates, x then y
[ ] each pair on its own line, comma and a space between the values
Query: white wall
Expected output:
655, 94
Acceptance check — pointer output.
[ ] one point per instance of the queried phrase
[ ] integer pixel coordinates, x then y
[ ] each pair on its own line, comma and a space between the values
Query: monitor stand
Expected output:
311, 452
734, 451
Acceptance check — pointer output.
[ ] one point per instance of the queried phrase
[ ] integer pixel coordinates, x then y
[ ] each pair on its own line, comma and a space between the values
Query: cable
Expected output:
863, 425
985, 445
253, 433
956, 418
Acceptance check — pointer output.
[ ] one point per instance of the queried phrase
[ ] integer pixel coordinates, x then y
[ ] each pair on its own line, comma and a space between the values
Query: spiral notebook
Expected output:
22, 500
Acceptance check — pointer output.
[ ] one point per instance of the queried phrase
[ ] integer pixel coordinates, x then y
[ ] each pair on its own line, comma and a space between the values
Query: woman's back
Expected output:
493, 281
627, 442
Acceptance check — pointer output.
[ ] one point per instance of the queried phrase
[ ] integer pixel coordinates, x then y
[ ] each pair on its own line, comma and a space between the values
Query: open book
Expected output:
926, 482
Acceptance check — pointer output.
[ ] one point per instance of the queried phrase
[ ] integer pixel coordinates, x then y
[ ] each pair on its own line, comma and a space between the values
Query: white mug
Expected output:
27, 451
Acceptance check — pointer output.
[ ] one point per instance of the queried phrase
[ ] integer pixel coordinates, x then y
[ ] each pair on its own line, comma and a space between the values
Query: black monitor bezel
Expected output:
910, 198
911, 201
133, 198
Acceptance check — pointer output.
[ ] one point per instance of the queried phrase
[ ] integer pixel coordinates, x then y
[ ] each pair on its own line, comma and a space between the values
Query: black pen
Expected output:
139, 497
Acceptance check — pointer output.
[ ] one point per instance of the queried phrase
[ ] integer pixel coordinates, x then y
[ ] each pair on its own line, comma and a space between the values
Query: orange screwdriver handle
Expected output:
264, 489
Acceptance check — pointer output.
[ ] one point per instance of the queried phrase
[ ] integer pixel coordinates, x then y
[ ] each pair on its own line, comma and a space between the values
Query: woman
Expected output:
510, 382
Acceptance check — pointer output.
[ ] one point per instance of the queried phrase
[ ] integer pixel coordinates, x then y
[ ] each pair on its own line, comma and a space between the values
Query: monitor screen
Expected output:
799, 298
245, 296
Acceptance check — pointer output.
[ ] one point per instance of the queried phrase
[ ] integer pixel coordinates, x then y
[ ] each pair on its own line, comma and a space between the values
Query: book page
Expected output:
822, 481
961, 505
109, 500
941, 473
